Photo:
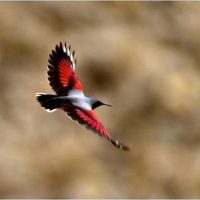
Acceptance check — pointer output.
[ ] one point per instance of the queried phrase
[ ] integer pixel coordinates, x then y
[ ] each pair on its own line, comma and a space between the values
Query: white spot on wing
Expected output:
71, 56
64, 49
68, 52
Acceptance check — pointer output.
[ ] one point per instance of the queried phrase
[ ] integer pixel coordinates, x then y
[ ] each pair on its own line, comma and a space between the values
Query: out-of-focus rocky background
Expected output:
144, 59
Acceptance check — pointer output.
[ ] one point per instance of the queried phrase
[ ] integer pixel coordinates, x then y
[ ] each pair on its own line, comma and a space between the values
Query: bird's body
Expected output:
69, 93
78, 99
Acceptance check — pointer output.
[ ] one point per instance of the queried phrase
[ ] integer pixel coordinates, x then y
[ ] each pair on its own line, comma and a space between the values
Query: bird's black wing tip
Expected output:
119, 145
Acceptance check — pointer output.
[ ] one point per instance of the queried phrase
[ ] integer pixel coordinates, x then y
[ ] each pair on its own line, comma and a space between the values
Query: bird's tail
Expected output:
49, 102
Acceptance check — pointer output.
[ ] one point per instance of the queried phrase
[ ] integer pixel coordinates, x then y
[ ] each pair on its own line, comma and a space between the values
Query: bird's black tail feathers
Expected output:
49, 102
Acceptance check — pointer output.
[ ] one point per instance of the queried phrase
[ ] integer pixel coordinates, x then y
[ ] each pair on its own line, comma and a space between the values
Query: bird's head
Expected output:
96, 103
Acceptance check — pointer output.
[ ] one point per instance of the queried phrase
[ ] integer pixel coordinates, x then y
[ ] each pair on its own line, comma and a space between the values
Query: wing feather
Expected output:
90, 121
61, 75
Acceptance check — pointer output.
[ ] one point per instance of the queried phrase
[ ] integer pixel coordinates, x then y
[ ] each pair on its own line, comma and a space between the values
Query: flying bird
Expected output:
69, 93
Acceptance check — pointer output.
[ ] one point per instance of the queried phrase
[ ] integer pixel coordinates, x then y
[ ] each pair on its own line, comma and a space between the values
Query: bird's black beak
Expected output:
107, 105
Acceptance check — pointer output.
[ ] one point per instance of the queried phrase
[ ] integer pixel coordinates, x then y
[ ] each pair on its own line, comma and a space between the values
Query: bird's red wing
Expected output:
90, 121
61, 74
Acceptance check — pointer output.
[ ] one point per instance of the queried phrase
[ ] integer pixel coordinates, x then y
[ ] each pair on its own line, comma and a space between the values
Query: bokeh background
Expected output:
141, 57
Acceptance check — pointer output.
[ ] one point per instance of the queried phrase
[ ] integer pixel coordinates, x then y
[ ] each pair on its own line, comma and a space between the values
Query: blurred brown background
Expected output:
144, 59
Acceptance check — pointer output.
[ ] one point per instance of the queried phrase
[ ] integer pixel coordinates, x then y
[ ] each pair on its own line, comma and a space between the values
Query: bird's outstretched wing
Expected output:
89, 119
61, 70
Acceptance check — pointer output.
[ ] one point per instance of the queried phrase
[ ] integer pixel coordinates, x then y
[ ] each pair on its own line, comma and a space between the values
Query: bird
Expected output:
70, 95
